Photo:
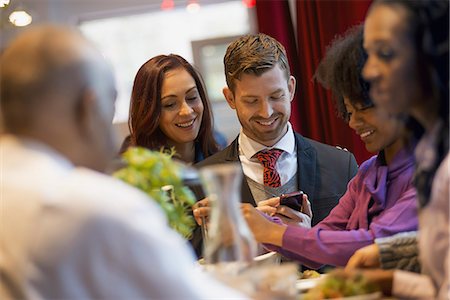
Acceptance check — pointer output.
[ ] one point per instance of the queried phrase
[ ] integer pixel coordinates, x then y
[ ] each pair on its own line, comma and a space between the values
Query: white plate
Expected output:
265, 256
303, 285
373, 296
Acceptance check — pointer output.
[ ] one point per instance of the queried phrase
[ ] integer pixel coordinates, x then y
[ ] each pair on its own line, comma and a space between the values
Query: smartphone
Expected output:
293, 200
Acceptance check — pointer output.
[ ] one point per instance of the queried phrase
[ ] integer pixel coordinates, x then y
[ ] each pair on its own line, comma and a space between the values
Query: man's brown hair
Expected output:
253, 54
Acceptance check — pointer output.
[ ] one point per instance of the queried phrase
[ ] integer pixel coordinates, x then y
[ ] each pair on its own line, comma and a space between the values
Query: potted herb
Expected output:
150, 171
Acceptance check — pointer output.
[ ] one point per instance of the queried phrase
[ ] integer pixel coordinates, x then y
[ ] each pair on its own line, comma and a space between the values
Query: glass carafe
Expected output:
229, 237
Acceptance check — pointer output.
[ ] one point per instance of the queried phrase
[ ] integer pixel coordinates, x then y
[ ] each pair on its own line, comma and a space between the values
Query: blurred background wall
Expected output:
129, 32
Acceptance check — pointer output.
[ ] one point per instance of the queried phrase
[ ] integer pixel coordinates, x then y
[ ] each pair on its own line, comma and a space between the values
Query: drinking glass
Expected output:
229, 237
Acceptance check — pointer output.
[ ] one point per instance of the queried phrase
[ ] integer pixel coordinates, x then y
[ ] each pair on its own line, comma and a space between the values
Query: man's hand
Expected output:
292, 217
201, 211
366, 257
269, 206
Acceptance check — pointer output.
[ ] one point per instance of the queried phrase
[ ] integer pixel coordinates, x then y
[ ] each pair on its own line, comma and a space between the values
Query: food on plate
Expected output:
308, 274
339, 285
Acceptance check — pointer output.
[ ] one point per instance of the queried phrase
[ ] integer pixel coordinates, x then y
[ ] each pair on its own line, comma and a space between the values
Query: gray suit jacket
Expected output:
323, 174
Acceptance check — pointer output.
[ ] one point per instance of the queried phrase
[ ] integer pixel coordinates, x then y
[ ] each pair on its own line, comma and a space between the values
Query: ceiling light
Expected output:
193, 6
20, 18
4, 3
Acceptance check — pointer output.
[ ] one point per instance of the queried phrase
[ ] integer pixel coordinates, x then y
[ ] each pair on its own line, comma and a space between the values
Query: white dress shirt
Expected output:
72, 233
286, 163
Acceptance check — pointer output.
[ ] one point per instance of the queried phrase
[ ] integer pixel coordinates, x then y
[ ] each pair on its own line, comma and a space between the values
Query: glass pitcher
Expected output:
229, 237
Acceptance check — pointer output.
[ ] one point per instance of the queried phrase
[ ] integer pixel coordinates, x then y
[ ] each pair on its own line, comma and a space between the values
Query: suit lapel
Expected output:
246, 194
232, 152
306, 166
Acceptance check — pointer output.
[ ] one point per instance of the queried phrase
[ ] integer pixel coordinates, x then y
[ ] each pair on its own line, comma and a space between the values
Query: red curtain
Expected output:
318, 22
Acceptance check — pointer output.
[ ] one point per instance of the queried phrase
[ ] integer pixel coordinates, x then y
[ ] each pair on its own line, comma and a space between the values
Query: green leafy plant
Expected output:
149, 171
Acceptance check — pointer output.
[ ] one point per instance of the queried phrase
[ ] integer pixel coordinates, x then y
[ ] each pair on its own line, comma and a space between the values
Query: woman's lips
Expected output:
185, 124
366, 134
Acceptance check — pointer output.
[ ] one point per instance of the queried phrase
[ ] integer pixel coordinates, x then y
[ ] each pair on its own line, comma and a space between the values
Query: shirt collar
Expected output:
249, 147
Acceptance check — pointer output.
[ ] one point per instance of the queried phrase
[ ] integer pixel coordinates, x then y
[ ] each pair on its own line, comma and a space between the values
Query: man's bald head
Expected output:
42, 64
54, 83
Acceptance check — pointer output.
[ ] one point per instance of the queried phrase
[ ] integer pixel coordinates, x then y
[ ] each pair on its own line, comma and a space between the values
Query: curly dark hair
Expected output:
340, 71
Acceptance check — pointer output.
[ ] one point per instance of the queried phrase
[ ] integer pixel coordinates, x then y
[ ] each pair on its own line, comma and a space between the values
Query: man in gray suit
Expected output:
275, 160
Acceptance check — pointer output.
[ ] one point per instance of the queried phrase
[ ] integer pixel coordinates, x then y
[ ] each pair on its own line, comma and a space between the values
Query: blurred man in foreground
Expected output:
68, 232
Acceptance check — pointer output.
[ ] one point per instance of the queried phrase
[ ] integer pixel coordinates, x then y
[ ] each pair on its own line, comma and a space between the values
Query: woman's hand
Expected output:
264, 230
201, 211
293, 217
366, 257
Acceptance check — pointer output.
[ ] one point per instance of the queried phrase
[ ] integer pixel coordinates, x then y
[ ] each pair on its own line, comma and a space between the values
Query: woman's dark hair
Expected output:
428, 24
145, 105
340, 71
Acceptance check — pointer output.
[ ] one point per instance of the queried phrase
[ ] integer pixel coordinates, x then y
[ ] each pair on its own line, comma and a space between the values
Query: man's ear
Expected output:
291, 87
229, 97
86, 112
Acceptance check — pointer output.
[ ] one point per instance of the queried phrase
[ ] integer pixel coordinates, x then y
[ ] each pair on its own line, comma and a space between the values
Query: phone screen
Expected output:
293, 200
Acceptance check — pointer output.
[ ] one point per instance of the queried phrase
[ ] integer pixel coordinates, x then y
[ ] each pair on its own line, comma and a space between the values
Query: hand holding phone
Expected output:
292, 200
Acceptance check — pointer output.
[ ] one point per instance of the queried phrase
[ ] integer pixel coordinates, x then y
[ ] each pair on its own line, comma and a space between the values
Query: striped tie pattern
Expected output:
268, 159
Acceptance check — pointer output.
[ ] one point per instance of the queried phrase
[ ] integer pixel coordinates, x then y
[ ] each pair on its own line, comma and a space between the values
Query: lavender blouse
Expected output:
380, 201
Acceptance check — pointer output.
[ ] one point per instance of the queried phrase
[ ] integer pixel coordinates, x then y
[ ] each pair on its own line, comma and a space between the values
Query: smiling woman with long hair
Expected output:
170, 108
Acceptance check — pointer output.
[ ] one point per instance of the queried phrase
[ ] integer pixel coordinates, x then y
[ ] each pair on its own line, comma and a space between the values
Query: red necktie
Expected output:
269, 158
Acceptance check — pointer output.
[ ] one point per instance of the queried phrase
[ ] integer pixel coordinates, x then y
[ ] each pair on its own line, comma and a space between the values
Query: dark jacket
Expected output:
323, 174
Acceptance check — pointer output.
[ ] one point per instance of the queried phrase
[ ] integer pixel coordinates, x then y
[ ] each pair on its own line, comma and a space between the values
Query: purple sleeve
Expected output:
330, 243
336, 220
